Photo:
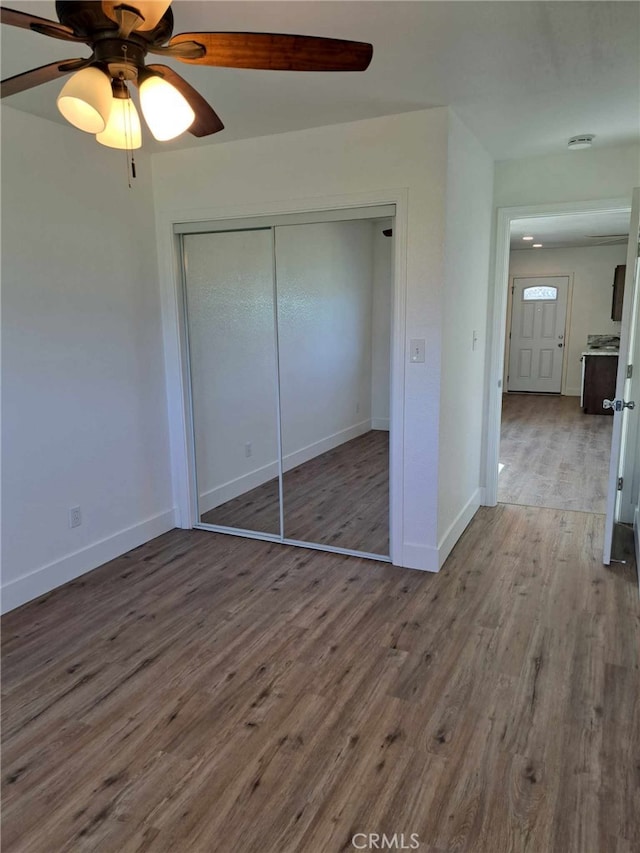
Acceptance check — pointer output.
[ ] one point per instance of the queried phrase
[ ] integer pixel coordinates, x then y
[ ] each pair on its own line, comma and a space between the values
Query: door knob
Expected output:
560, 346
618, 405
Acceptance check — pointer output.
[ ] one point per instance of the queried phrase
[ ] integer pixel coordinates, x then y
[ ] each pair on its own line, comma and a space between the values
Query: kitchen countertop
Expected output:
600, 352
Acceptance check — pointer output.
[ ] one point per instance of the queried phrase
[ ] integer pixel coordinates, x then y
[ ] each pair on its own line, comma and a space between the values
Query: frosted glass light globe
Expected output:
166, 111
123, 128
85, 100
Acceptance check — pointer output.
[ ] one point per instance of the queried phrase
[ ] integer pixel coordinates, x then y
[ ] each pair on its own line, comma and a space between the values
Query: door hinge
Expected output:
620, 483
629, 371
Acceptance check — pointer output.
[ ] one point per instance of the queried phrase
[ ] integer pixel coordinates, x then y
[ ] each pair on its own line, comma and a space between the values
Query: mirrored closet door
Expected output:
288, 328
333, 300
230, 311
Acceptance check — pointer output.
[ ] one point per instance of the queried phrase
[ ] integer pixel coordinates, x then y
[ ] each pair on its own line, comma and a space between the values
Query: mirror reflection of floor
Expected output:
552, 454
258, 510
623, 545
340, 498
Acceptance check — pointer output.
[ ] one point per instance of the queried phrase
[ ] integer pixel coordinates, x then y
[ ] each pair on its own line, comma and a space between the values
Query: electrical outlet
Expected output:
248, 449
416, 350
357, 408
75, 516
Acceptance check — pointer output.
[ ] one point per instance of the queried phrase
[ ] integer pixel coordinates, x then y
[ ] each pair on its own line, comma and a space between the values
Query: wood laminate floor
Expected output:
210, 693
553, 454
340, 498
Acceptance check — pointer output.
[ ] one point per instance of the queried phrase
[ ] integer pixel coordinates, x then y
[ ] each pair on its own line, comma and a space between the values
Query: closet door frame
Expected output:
311, 211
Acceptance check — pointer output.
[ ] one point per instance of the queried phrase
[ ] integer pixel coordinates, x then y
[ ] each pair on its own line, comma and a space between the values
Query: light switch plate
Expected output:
416, 350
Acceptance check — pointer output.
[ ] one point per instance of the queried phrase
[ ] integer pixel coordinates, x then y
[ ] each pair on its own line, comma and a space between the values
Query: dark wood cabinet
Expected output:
599, 383
618, 292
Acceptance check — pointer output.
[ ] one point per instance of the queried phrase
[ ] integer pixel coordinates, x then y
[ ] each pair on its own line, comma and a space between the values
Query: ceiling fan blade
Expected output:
206, 121
277, 52
38, 25
151, 11
37, 76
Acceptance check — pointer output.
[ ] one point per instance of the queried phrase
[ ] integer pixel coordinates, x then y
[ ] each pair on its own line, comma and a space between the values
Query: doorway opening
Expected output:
546, 446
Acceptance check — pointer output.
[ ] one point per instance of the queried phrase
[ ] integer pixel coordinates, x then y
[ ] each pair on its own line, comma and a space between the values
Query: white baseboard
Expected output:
380, 423
241, 485
457, 528
420, 557
572, 392
46, 578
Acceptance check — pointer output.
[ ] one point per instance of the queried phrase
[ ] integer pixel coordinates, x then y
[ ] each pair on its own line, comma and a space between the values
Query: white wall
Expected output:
391, 157
590, 271
589, 175
85, 419
381, 325
468, 229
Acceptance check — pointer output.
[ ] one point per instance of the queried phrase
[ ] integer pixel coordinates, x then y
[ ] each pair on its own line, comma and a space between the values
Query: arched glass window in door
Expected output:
540, 291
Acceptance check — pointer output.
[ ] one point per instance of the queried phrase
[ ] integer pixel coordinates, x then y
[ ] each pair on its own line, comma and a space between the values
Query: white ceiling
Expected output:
524, 76
574, 230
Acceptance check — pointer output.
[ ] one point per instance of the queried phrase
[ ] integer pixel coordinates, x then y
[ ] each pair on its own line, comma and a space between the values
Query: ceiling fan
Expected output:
97, 99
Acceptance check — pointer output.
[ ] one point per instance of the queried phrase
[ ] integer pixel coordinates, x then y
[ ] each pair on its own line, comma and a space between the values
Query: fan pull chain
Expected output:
126, 154
128, 133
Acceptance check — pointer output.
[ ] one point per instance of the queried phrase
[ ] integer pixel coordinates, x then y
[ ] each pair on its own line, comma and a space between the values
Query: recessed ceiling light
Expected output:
582, 141
537, 245
527, 238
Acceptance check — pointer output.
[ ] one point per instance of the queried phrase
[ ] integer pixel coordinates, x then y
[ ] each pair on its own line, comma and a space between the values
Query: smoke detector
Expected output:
582, 141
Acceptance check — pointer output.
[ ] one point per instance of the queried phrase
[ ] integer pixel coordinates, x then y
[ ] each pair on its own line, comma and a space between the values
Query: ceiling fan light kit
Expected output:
120, 34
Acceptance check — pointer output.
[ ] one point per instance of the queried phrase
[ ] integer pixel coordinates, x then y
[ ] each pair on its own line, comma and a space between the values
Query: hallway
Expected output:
553, 455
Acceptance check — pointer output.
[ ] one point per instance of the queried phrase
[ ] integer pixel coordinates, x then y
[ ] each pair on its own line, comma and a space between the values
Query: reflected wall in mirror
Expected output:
334, 322
230, 313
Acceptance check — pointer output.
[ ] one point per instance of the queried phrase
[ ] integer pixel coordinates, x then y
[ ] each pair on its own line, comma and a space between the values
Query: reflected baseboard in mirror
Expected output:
340, 498
258, 509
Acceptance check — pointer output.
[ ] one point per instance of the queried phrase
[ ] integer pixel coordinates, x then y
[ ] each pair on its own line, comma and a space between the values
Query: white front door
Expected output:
624, 470
537, 333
